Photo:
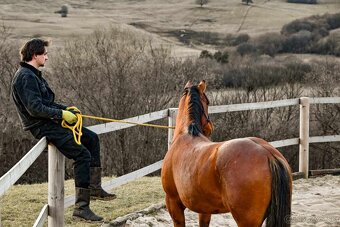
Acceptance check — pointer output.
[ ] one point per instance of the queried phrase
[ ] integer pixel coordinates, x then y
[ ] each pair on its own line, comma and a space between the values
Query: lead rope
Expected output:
77, 127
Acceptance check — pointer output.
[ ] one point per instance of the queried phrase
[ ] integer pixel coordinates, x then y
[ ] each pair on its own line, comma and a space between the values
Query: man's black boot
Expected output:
97, 192
82, 209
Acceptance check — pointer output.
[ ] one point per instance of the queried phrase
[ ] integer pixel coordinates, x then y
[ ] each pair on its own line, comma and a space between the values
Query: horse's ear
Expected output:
189, 84
202, 86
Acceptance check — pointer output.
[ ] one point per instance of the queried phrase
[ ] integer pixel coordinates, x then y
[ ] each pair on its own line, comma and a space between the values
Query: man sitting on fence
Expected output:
40, 115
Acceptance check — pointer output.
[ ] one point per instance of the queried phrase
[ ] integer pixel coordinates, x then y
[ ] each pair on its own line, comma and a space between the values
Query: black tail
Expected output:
279, 210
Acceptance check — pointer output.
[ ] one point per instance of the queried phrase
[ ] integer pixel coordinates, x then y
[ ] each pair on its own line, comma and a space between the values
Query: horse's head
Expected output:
193, 110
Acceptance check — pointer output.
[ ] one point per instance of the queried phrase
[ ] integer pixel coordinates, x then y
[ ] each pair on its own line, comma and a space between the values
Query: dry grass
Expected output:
21, 205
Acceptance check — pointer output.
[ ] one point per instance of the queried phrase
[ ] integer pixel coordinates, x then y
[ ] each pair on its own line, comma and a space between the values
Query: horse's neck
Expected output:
182, 122
184, 137
179, 132
185, 123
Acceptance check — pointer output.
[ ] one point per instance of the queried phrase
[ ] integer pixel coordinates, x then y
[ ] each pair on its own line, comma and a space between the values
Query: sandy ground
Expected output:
316, 202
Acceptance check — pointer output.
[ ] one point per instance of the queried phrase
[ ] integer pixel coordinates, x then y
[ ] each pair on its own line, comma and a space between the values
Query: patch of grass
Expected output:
21, 205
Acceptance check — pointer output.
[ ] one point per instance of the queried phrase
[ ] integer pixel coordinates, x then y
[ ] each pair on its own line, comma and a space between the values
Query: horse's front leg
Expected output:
176, 210
204, 219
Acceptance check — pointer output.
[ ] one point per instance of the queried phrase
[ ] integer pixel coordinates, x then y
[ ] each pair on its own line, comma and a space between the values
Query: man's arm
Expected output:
59, 106
28, 90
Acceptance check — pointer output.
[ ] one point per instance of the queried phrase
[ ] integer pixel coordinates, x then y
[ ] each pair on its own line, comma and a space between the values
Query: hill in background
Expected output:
168, 21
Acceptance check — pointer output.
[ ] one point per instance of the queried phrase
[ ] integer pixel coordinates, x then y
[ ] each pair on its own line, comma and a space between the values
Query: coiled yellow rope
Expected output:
77, 132
75, 128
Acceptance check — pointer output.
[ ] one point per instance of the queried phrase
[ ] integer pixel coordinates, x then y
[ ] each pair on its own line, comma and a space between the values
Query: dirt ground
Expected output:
316, 202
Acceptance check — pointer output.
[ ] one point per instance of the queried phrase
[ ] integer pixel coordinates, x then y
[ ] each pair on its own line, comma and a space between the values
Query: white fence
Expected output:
54, 210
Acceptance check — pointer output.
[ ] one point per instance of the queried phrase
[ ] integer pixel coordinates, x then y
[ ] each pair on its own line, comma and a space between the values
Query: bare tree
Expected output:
325, 117
63, 11
118, 74
202, 2
14, 142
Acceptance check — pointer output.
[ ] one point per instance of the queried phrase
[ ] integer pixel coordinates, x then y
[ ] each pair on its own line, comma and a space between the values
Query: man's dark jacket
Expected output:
33, 98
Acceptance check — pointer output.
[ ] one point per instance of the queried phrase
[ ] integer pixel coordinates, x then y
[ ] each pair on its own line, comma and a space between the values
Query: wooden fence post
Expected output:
56, 176
304, 136
172, 122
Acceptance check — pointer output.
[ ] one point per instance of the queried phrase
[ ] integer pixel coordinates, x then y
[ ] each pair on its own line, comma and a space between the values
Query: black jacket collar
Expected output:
32, 68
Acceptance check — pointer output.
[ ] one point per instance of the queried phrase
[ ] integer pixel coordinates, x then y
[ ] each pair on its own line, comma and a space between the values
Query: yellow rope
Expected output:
76, 128
127, 122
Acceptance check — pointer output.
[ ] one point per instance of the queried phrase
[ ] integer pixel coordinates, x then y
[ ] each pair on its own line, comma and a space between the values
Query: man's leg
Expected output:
62, 138
91, 141
81, 165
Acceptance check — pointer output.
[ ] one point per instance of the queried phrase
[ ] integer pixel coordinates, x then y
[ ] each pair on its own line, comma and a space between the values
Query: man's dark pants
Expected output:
85, 155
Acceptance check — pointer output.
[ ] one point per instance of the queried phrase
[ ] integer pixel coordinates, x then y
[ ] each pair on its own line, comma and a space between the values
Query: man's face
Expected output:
41, 59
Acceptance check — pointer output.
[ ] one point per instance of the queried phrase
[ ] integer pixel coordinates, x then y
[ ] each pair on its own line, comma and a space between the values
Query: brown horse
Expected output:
247, 177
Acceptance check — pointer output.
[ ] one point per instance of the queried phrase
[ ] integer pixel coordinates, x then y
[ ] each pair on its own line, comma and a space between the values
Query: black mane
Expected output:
195, 111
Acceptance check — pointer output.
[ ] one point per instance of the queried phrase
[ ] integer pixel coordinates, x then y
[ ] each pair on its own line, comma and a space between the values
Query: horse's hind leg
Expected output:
204, 219
176, 210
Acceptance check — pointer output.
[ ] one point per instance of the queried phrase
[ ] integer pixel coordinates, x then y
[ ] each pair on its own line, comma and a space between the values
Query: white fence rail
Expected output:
54, 210
9, 178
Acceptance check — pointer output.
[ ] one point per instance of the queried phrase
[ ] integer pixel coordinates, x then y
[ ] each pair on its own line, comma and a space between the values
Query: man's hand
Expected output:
69, 117
73, 109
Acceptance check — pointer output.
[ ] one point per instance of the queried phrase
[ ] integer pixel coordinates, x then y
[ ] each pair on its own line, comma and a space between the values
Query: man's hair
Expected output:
33, 47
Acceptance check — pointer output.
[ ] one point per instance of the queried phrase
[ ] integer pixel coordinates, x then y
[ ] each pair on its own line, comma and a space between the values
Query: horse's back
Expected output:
246, 156
243, 160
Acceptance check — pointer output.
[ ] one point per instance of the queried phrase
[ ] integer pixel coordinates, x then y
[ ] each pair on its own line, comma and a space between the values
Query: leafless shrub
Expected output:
270, 124
14, 143
246, 49
234, 40
307, 35
311, 24
333, 20
249, 74
325, 117
300, 42
269, 43
63, 11
221, 57
328, 45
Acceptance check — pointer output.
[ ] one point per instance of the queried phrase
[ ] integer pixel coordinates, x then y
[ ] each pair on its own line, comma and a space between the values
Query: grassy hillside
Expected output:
165, 20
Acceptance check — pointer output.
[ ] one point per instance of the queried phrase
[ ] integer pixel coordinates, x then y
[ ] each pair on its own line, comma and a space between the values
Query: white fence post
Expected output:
172, 122
304, 136
56, 176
